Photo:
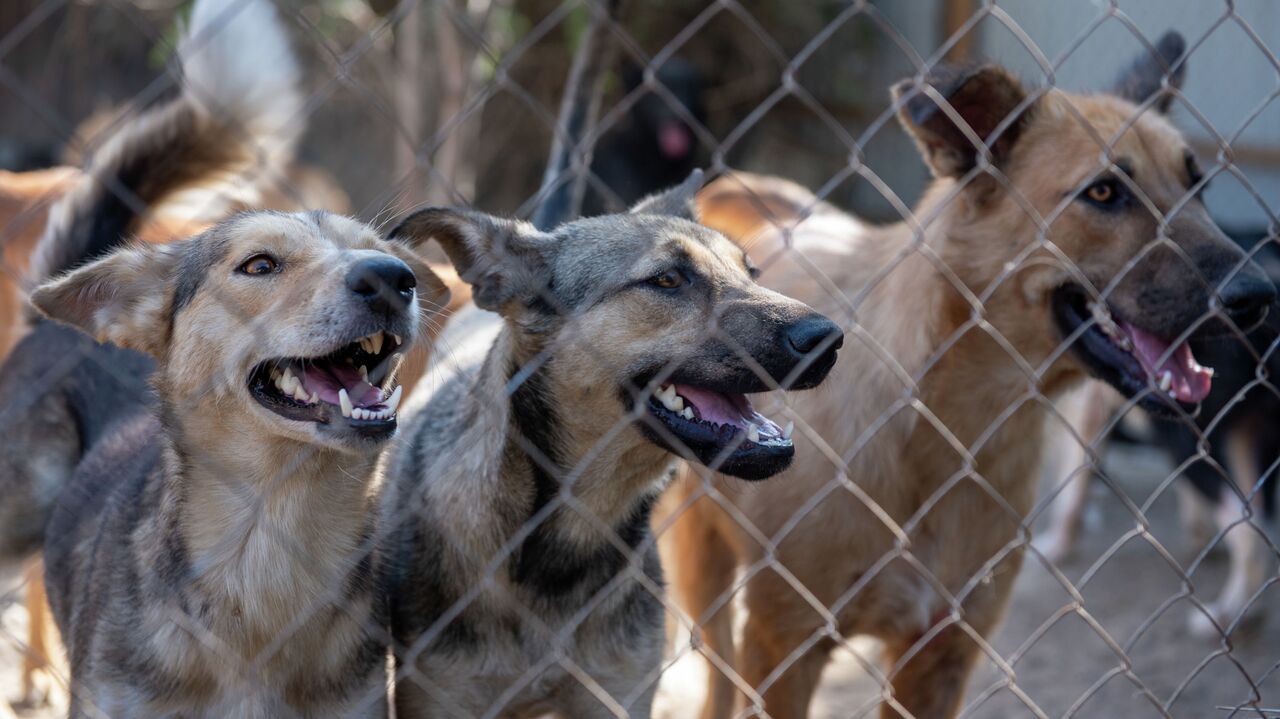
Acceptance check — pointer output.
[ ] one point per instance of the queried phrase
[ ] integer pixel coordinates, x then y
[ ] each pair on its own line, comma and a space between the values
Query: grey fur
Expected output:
492, 573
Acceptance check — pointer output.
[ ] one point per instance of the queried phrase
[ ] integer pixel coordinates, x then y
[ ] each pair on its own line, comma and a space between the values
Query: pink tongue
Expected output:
674, 140
327, 380
733, 410
1191, 382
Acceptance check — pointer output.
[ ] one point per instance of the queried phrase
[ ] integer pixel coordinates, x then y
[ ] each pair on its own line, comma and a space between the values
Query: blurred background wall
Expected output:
451, 100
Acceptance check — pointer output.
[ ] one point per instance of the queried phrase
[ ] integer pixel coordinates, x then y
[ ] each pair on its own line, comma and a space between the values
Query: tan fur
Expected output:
271, 515
902, 513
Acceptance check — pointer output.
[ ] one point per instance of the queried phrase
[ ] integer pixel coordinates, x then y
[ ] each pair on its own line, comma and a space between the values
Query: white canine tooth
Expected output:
786, 431
364, 374
677, 404
1166, 380
345, 401
315, 397
375, 341
396, 338
300, 393
753, 433
393, 401
687, 413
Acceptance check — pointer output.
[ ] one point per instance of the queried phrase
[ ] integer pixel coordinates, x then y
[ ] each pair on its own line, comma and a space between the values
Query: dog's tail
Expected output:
742, 204
234, 123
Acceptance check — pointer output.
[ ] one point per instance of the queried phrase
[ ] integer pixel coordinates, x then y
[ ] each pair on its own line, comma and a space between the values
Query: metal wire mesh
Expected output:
906, 467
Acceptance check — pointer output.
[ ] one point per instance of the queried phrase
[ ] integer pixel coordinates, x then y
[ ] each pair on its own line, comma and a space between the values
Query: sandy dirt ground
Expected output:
1123, 651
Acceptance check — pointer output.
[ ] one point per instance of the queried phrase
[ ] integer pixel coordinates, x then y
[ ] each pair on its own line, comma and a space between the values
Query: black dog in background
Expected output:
652, 147
1240, 421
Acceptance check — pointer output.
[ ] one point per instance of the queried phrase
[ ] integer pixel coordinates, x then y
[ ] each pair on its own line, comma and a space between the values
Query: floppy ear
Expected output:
980, 98
504, 261
122, 298
679, 201
1147, 75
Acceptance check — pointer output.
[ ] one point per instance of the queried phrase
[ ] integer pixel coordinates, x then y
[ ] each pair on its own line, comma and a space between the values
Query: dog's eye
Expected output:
260, 265
667, 280
1103, 193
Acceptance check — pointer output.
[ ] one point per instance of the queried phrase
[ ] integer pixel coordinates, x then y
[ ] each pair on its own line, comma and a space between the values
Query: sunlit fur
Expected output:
928, 439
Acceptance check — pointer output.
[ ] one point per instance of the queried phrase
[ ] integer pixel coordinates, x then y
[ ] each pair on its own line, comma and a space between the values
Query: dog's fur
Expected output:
522, 575
903, 517
1229, 498
207, 557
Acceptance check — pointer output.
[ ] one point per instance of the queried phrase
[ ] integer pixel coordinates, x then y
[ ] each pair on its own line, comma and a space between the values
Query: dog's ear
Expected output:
505, 261
1150, 72
679, 201
976, 114
122, 298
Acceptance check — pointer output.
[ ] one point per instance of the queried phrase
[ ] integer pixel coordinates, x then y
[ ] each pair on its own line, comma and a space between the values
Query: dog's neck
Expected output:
549, 448
976, 376
270, 527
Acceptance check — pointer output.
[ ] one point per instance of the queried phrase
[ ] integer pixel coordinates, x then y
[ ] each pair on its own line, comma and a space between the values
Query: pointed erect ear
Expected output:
978, 99
504, 261
122, 298
1150, 71
679, 201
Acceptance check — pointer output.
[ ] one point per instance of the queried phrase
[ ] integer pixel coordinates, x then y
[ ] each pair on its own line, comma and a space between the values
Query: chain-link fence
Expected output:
1036, 478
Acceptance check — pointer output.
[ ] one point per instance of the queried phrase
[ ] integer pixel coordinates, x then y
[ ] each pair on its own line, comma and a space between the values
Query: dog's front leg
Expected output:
929, 681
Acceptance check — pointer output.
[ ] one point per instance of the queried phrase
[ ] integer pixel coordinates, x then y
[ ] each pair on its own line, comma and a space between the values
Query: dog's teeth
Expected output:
393, 402
753, 432
1166, 380
375, 341
300, 392
315, 397
687, 413
396, 338
787, 430
677, 404
364, 374
345, 401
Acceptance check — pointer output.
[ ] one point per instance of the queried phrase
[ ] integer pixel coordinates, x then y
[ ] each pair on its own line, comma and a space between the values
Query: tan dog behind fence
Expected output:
903, 515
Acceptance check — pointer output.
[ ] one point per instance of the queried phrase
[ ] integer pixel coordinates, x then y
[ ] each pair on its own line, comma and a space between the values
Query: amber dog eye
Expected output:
260, 265
1102, 192
668, 280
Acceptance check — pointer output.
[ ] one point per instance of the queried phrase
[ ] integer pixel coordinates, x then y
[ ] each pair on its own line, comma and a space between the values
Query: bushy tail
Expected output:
235, 122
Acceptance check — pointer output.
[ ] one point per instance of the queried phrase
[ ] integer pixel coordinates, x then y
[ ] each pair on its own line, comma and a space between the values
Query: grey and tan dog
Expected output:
210, 554
522, 575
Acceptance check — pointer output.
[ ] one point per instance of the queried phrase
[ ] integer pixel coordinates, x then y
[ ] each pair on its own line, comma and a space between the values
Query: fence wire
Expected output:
932, 551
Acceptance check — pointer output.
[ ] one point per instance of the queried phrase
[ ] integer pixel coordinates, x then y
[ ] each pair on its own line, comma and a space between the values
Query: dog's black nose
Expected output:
1246, 298
808, 334
385, 283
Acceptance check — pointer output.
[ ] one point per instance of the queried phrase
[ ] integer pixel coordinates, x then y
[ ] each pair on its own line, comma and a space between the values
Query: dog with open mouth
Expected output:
209, 549
521, 573
230, 528
1064, 236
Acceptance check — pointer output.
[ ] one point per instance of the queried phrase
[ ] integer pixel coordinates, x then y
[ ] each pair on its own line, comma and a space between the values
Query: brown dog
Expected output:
1031, 263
